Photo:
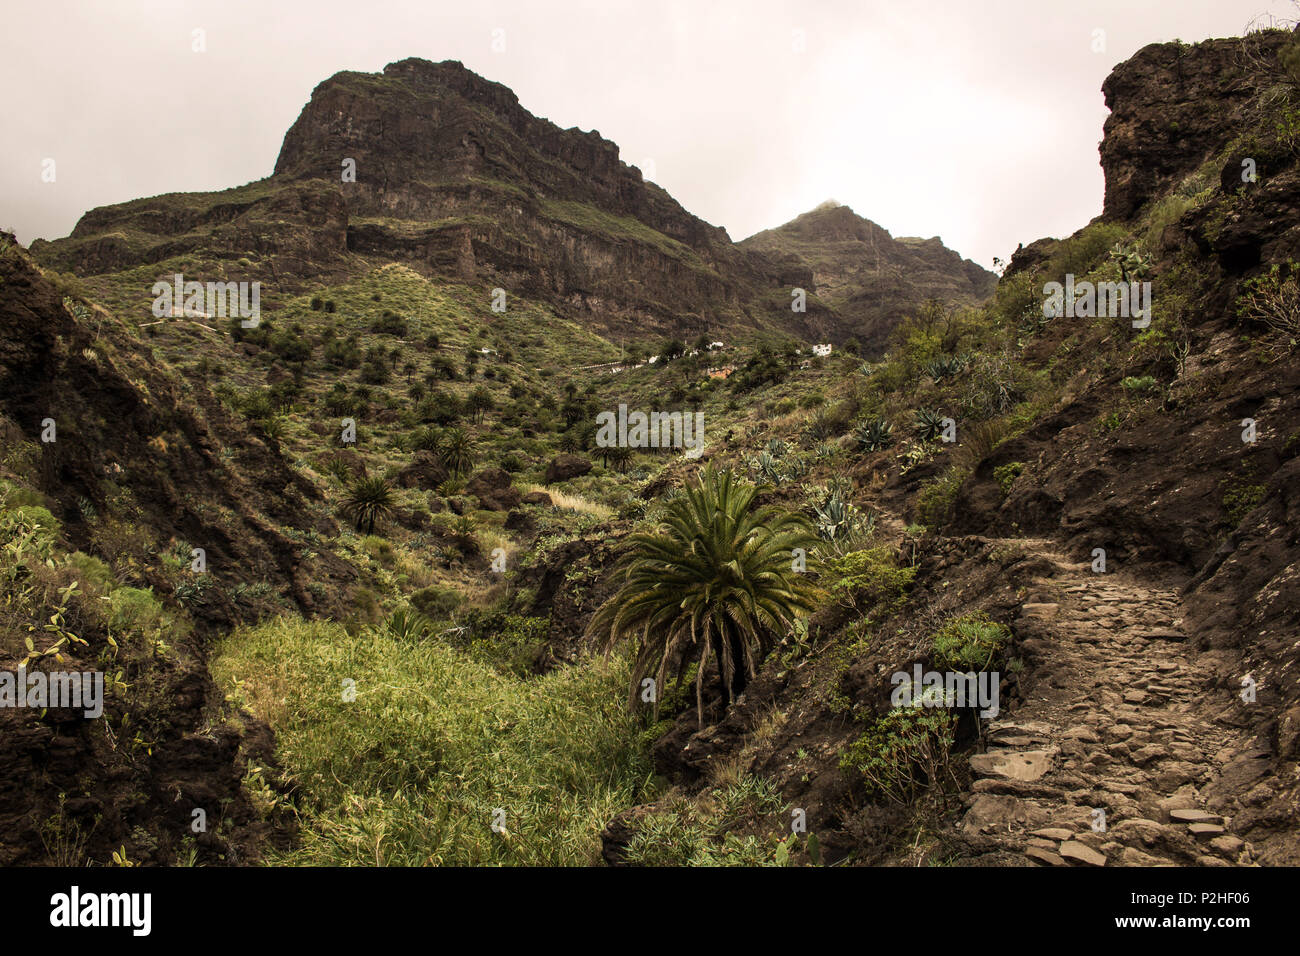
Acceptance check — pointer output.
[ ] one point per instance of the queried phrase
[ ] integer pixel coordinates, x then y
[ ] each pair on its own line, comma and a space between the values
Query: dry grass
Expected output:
568, 502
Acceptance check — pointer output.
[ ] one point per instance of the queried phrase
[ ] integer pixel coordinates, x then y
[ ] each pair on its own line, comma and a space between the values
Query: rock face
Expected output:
866, 278
453, 177
1173, 106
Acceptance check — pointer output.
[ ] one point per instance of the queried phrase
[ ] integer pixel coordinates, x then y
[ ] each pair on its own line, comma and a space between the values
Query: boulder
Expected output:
520, 521
425, 471
566, 466
494, 489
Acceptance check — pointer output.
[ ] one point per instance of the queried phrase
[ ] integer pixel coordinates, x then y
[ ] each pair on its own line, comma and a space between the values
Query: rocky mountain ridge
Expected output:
868, 278
431, 166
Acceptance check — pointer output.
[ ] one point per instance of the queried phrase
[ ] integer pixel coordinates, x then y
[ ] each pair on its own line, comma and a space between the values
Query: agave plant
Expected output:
833, 515
929, 424
874, 435
775, 447
945, 367
369, 501
767, 468
407, 625
819, 427
713, 584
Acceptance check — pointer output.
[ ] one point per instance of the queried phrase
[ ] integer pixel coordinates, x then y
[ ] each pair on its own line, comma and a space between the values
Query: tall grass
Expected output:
415, 769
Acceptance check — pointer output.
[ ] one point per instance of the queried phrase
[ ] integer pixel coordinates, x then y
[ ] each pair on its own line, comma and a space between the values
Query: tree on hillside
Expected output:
670, 349
479, 401
369, 501
457, 451
620, 456
714, 584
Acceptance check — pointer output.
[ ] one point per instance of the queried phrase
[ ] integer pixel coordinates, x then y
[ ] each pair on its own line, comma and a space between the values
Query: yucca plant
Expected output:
874, 435
929, 424
369, 501
713, 584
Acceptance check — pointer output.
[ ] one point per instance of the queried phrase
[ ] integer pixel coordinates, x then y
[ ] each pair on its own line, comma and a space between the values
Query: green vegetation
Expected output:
715, 581
369, 502
969, 643
413, 770
731, 826
870, 580
1240, 497
1006, 475
935, 502
903, 753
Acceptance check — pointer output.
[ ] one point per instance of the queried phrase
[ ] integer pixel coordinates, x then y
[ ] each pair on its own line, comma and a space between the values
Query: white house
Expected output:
822, 349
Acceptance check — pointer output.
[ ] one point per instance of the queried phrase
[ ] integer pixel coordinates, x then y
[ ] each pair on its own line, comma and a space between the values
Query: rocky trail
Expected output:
1112, 757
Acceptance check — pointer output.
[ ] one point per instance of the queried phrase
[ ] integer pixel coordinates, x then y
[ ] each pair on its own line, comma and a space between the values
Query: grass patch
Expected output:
436, 748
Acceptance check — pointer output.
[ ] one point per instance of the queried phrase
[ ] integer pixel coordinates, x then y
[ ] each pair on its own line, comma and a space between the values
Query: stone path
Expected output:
1106, 760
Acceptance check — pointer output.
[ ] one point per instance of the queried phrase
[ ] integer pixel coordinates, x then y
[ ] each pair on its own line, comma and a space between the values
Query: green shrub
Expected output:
969, 643
1240, 498
702, 833
93, 571
136, 610
437, 602
935, 501
902, 753
1083, 253
1006, 475
870, 579
1139, 385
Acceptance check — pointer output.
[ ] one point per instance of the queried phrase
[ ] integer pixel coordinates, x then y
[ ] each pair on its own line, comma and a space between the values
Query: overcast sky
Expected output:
974, 121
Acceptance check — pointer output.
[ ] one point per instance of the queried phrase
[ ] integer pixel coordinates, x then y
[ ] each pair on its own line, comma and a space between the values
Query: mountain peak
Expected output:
868, 277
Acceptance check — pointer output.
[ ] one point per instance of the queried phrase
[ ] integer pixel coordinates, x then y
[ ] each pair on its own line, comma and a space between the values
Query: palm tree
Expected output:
369, 501
620, 456
456, 451
716, 582
479, 401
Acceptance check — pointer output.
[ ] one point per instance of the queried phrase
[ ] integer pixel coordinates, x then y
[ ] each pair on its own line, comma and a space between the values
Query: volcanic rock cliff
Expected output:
869, 279
431, 166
